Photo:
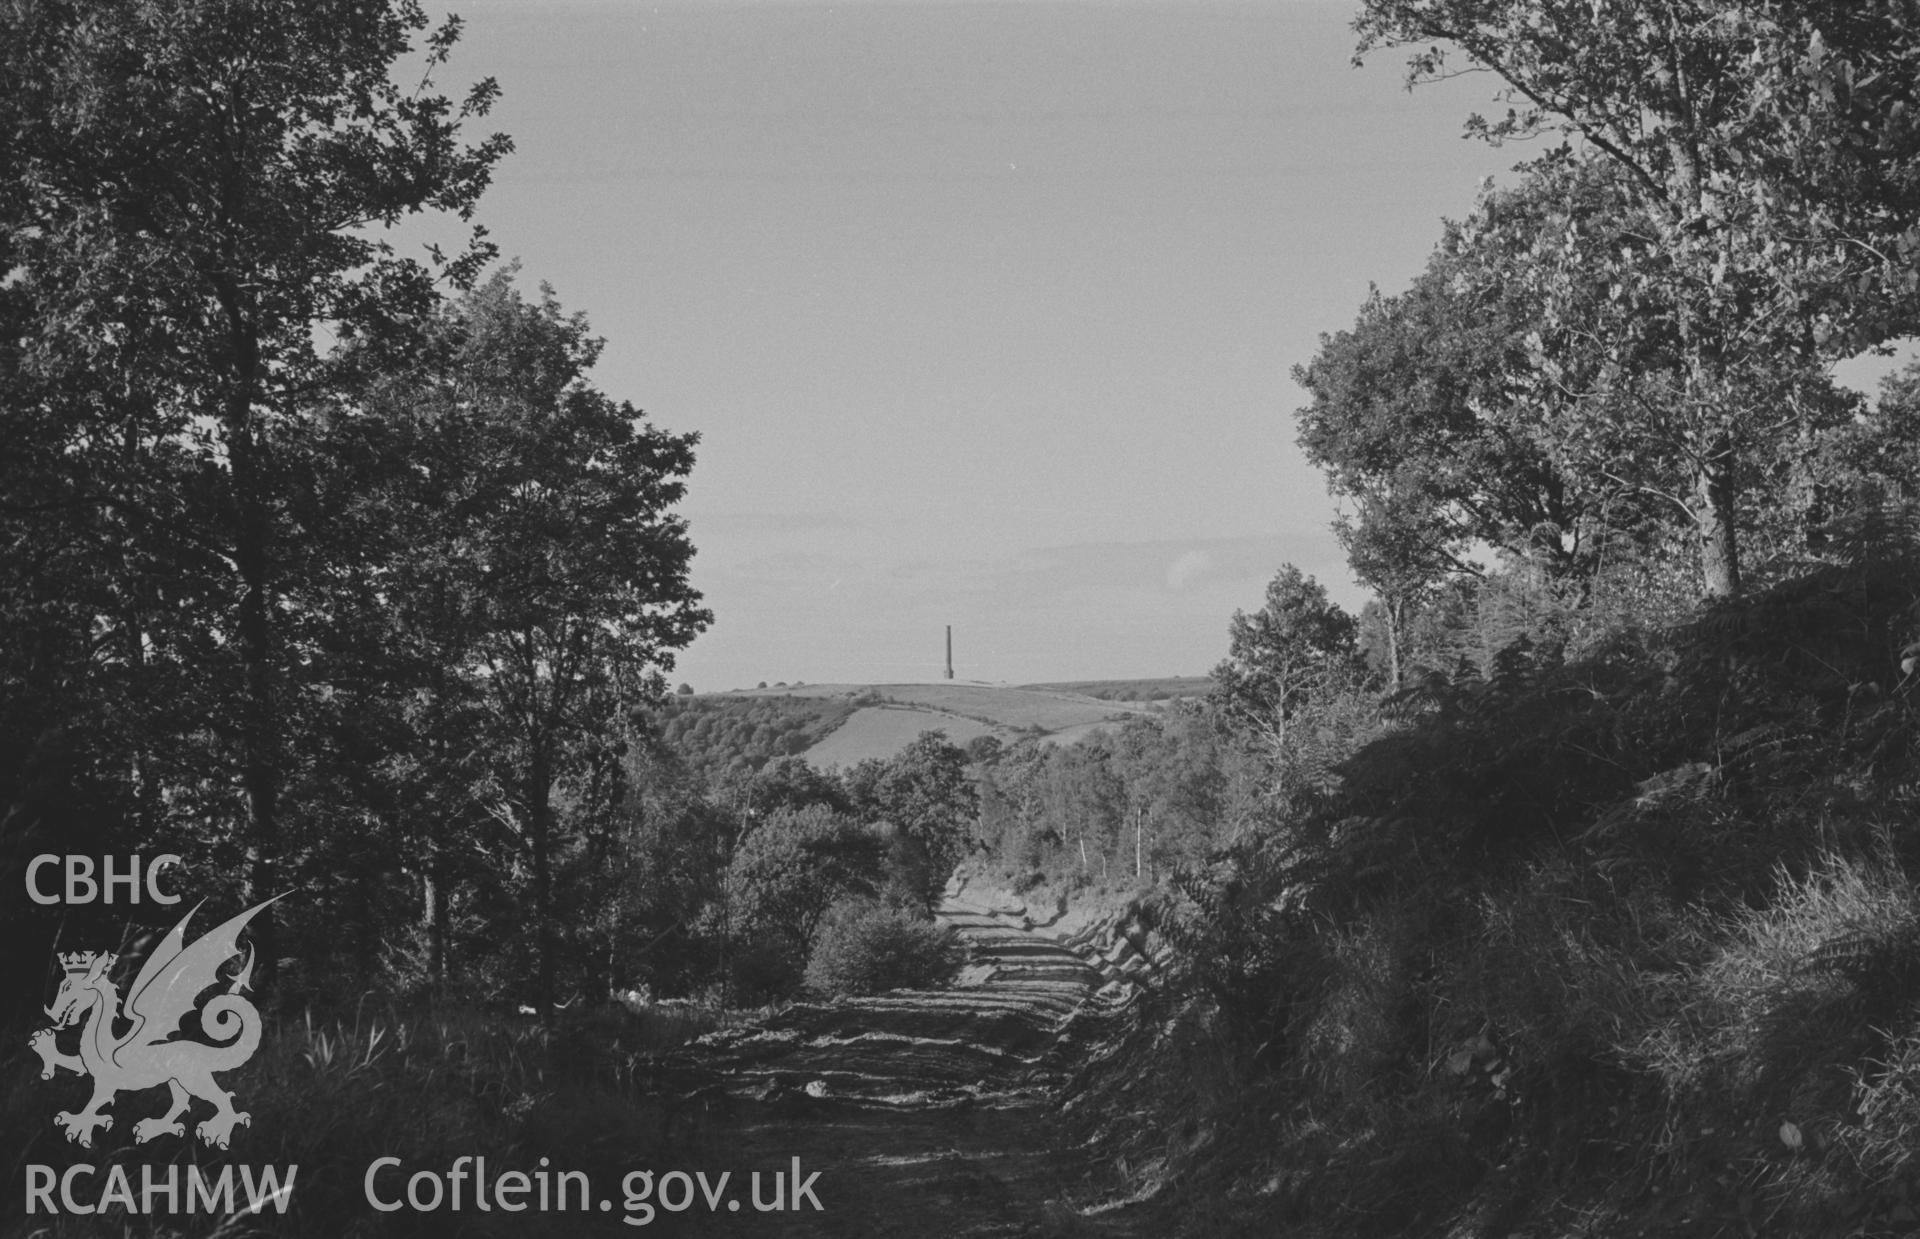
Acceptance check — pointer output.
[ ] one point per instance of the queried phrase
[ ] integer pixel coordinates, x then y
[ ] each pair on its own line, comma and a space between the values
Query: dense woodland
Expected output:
1570, 884
328, 569
720, 737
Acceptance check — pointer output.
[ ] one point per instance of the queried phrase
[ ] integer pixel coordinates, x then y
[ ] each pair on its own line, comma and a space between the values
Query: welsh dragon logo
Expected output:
150, 1052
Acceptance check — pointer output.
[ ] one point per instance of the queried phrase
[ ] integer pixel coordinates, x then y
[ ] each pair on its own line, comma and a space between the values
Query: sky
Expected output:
984, 310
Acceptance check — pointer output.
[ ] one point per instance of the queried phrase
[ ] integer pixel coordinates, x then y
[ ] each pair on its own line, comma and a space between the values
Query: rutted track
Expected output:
924, 1112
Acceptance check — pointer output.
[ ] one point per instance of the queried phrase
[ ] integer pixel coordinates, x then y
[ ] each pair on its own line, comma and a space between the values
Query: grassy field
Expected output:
1166, 688
997, 704
887, 717
882, 731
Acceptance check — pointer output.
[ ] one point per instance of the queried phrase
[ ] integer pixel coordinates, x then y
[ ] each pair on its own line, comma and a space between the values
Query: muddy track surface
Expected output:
925, 1113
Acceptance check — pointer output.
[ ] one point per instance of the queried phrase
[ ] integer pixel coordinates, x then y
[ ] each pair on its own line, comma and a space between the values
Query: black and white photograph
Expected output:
960, 619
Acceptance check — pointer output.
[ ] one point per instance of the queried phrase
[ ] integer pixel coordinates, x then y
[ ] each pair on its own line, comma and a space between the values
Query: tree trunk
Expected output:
1395, 611
1719, 544
140, 762
599, 965
539, 839
366, 951
140, 603
437, 892
435, 897
252, 554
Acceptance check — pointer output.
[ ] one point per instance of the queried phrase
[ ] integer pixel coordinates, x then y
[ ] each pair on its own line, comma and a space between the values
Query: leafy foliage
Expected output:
1602, 916
1769, 156
1281, 654
1122, 806
722, 737
377, 579
924, 794
534, 560
1787, 124
192, 222
1417, 416
867, 947
788, 870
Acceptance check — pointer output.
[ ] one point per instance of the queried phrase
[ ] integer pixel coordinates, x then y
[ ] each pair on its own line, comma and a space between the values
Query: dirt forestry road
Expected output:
924, 1113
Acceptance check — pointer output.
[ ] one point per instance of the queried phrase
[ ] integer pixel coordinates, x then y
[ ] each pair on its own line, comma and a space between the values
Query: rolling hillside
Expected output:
882, 731
885, 718
1167, 688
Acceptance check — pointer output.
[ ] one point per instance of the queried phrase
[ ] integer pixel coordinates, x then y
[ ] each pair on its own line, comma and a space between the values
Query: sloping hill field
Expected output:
1030, 709
1165, 689
881, 731
886, 718
889, 716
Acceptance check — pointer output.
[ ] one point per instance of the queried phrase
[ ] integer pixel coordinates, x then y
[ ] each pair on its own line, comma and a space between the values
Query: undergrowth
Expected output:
330, 1095
1621, 942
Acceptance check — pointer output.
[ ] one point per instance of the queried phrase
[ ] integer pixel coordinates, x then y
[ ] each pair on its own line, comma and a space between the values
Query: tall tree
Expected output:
1415, 400
1083, 800
1772, 149
782, 880
192, 204
1280, 655
1613, 386
1175, 787
537, 563
1397, 547
927, 795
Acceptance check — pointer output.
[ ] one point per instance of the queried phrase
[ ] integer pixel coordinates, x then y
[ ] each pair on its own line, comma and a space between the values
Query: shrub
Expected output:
866, 947
784, 879
764, 969
1802, 995
1646, 914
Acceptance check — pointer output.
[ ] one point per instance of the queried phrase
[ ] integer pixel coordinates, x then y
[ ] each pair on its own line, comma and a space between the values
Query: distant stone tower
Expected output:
949, 651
